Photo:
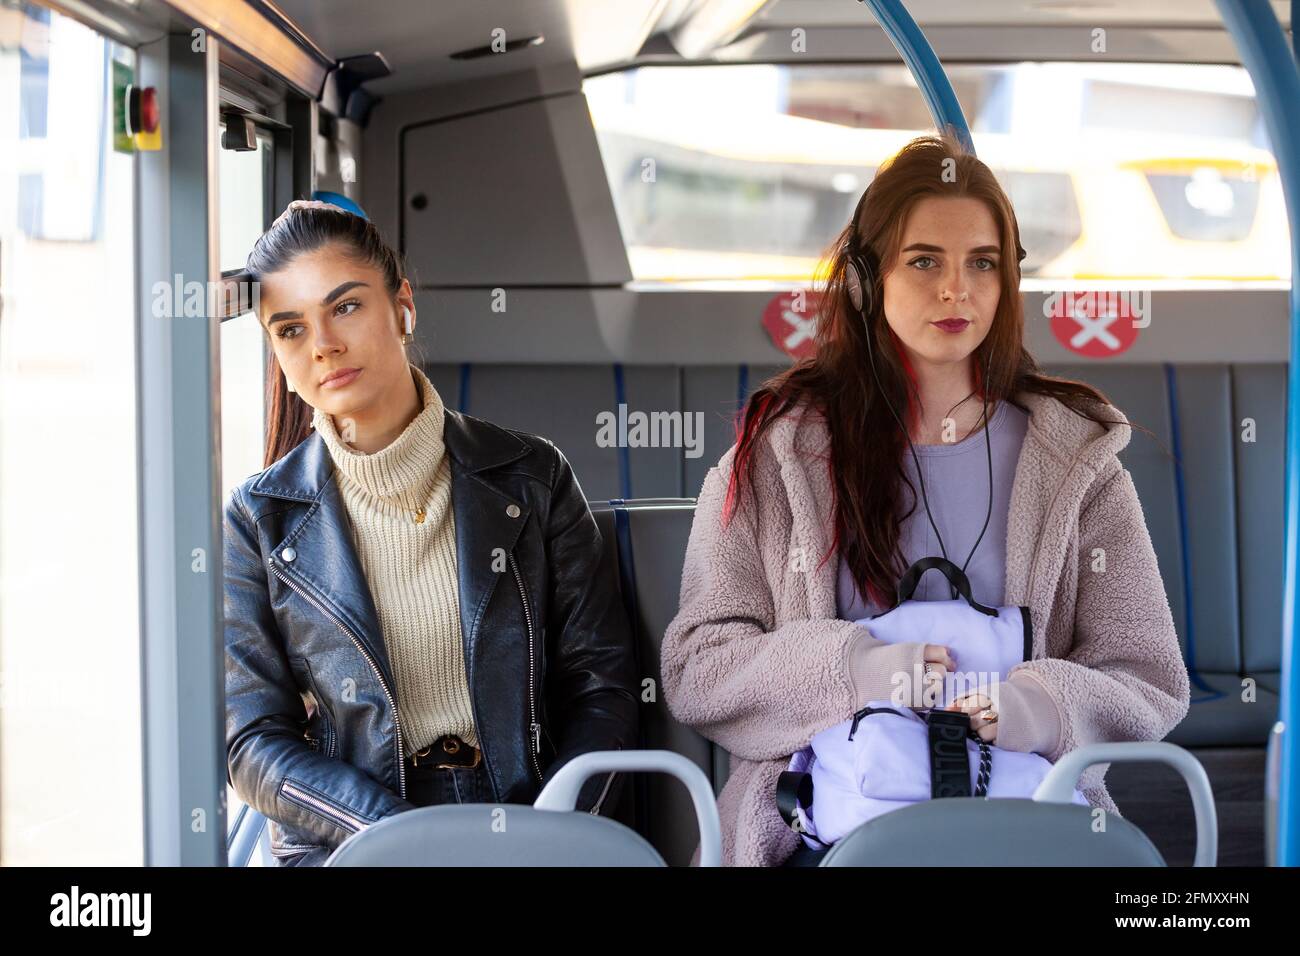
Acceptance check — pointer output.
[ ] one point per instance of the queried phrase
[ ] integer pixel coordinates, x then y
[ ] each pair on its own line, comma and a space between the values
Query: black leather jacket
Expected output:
312, 730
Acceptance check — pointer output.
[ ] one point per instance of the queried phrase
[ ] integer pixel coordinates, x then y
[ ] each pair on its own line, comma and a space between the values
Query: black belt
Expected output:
447, 752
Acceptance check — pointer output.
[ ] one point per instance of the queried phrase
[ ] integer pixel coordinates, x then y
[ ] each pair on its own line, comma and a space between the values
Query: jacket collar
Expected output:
329, 567
1071, 438
304, 473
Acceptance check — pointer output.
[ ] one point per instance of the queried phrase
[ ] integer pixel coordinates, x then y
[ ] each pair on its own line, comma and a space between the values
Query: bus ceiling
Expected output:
424, 45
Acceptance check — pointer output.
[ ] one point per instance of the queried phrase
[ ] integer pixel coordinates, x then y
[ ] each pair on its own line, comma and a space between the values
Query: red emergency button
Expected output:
142, 109
149, 109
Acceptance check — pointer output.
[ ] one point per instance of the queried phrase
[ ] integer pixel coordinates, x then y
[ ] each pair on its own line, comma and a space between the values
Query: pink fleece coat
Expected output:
757, 661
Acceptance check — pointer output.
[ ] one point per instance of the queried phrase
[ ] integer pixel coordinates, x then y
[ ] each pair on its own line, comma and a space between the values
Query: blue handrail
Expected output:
920, 58
1268, 58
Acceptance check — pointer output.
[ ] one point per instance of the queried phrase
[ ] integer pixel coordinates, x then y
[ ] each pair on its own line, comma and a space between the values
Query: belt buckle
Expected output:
415, 757
453, 745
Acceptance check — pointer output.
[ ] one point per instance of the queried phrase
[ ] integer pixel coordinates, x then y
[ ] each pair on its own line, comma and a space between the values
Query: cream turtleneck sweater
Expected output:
410, 565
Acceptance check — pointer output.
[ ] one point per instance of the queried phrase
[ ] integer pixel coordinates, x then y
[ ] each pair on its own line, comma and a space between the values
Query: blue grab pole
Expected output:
1268, 58
920, 58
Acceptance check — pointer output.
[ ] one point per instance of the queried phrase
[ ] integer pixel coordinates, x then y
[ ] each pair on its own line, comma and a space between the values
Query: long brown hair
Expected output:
300, 231
837, 381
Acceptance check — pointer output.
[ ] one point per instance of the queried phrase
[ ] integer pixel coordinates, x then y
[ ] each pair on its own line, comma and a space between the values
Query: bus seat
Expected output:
1214, 512
718, 392
646, 540
487, 834
1047, 830
548, 833
1221, 487
1005, 832
563, 402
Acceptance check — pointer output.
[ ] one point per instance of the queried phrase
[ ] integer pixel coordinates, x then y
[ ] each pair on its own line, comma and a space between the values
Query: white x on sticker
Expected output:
803, 328
1094, 328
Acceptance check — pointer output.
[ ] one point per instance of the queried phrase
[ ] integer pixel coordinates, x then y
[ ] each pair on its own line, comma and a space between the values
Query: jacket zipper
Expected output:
328, 810
534, 727
397, 722
292, 849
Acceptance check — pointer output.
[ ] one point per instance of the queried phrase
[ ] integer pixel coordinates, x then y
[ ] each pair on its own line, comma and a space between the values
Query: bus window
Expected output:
245, 183
244, 179
1117, 170
69, 555
245, 186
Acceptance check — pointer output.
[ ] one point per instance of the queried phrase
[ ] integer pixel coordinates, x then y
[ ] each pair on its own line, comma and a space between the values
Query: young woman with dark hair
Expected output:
415, 607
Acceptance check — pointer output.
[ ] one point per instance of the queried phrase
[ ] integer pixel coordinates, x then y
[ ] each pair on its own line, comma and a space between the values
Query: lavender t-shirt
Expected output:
957, 484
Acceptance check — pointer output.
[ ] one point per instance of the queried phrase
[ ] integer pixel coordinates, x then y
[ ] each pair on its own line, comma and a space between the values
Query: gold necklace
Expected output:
419, 516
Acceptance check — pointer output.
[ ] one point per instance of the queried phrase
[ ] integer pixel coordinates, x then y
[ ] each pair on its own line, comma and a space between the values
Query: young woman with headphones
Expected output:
807, 522
415, 607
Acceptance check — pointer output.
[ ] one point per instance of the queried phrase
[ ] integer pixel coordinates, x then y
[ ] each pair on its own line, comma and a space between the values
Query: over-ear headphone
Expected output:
859, 283
859, 280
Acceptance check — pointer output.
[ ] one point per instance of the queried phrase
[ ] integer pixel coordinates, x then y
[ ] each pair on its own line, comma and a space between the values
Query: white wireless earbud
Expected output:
406, 316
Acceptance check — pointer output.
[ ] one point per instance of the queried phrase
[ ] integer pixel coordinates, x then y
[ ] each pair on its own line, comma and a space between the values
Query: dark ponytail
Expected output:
300, 231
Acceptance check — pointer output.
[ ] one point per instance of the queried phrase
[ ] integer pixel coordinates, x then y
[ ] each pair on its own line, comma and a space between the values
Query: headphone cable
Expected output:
988, 443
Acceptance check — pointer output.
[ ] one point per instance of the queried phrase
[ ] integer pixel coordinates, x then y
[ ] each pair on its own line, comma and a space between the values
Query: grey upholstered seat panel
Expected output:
1215, 523
485, 834
658, 535
718, 391
1206, 439
1231, 437
956, 832
561, 402
1219, 717
1259, 394
1140, 392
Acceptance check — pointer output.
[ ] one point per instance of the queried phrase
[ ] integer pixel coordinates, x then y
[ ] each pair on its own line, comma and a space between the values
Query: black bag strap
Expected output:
949, 765
949, 768
986, 769
955, 575
794, 789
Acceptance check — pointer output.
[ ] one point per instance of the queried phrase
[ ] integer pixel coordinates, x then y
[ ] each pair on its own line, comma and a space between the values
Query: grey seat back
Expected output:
647, 539
1213, 509
484, 834
965, 832
1213, 506
562, 402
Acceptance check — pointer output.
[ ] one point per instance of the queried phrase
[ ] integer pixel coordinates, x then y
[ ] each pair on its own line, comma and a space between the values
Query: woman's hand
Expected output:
983, 717
939, 661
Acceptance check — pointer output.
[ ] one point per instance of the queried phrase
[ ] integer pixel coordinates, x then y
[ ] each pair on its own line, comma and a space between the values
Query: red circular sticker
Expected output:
791, 322
1096, 324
